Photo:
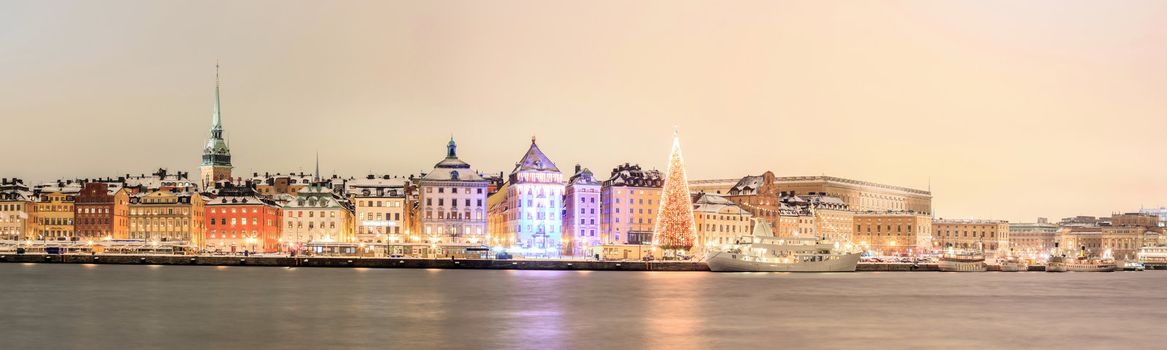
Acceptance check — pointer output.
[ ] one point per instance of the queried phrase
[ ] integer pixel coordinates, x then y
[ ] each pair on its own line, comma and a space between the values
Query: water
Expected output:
190, 307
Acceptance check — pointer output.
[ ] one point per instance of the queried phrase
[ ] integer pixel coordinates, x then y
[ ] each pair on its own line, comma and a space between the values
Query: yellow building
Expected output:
894, 233
52, 217
168, 216
382, 214
629, 201
990, 235
719, 221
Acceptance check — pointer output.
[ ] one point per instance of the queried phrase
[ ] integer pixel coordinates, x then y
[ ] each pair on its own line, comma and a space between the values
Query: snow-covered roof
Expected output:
535, 160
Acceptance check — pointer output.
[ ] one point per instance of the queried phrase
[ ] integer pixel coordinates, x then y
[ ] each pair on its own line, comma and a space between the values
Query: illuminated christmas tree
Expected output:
675, 229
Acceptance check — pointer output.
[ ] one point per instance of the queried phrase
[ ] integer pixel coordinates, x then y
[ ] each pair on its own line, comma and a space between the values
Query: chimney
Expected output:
577, 168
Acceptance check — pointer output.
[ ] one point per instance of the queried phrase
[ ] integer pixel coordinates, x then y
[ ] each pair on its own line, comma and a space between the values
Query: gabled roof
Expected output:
535, 160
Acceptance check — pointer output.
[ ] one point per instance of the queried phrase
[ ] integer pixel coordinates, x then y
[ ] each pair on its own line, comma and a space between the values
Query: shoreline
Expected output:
407, 263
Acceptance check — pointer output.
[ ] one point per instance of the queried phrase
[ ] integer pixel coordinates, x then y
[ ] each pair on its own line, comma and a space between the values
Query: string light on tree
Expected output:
675, 228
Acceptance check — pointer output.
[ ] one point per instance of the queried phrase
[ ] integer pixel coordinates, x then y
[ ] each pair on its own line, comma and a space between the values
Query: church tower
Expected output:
216, 164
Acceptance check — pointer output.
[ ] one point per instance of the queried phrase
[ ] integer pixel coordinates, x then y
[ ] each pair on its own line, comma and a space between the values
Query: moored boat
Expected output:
963, 261
1056, 264
1091, 265
1014, 264
762, 252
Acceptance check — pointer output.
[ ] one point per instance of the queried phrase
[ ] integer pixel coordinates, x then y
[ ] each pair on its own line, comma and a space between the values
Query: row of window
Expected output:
452, 190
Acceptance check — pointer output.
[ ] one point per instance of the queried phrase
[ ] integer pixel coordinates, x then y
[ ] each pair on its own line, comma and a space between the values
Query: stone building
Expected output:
15, 205
452, 202
990, 235
581, 218
237, 220
1032, 239
52, 215
168, 216
317, 214
531, 207
102, 211
894, 233
718, 220
628, 203
382, 212
858, 195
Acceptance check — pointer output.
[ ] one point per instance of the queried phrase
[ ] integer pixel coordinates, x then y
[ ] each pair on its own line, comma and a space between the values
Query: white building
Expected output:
316, 214
452, 202
581, 221
531, 210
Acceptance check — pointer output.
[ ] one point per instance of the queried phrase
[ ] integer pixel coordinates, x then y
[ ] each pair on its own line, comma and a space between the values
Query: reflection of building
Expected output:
381, 210
531, 209
15, 204
168, 216
237, 220
990, 235
1032, 239
894, 232
581, 219
316, 214
216, 165
628, 201
718, 220
452, 202
102, 210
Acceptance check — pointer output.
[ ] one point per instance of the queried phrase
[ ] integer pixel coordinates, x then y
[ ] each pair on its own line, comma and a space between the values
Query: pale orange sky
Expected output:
1013, 109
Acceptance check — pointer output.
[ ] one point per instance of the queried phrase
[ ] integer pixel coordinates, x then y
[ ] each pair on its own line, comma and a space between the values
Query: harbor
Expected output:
421, 263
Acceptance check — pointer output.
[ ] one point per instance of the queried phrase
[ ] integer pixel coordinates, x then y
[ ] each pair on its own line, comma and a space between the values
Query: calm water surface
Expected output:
181, 307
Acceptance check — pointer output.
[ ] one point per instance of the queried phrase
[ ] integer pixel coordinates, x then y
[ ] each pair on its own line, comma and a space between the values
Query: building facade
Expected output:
894, 233
452, 203
15, 205
990, 235
102, 211
628, 205
531, 208
382, 213
168, 216
53, 217
238, 220
719, 221
581, 213
315, 215
1032, 240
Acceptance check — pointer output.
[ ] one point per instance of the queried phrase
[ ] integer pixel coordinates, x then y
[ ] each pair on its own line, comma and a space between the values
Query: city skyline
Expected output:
130, 102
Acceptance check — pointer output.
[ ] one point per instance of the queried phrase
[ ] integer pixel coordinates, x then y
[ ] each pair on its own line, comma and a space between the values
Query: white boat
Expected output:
962, 261
762, 252
1056, 264
1014, 264
1133, 266
1091, 265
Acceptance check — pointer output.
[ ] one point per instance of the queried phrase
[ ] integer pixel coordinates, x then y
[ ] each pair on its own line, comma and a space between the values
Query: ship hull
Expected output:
1091, 267
962, 266
1013, 267
726, 262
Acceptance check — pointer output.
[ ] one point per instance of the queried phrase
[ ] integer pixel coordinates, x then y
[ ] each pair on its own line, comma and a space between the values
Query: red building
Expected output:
238, 220
101, 211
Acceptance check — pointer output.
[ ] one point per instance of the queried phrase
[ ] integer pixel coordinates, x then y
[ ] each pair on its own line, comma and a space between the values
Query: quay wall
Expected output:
410, 263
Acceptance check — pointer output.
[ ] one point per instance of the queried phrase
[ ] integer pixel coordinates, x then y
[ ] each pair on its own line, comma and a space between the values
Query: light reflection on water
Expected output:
127, 306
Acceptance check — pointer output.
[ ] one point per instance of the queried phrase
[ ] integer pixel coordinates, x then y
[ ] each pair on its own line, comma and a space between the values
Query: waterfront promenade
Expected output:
403, 263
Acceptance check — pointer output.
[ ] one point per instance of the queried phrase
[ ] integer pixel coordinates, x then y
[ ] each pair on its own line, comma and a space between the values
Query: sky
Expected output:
1006, 109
